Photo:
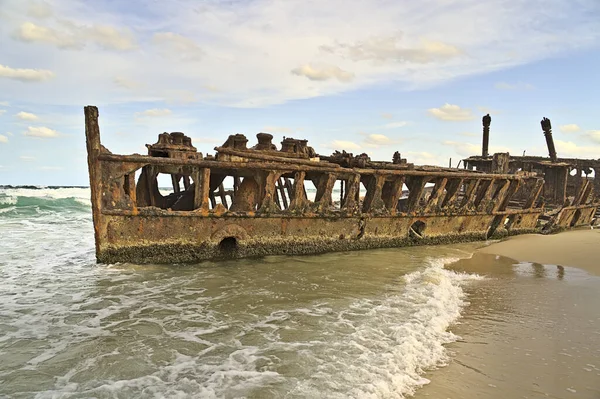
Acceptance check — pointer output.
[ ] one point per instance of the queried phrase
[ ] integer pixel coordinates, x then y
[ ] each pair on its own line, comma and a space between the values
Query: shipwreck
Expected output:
264, 200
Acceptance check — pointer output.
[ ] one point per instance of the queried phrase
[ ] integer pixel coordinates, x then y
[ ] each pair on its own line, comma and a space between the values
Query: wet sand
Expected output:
577, 248
533, 327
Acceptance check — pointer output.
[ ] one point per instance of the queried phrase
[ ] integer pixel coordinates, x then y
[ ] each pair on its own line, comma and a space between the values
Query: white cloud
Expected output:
469, 134
25, 75
387, 115
449, 112
4, 103
395, 125
2, 111
513, 86
155, 112
569, 149
110, 37
27, 158
173, 45
250, 47
3, 139
73, 37
26, 116
571, 128
593, 135
343, 145
127, 83
42, 132
376, 140
277, 129
467, 149
323, 73
40, 10
393, 48
421, 158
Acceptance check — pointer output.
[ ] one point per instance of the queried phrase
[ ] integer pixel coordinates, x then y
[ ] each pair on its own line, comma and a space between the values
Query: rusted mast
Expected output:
547, 128
92, 140
487, 120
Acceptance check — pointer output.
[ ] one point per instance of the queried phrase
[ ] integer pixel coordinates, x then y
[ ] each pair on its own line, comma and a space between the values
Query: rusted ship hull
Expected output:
268, 211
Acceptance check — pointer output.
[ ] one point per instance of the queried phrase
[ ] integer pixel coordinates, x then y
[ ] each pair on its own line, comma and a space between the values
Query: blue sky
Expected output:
371, 76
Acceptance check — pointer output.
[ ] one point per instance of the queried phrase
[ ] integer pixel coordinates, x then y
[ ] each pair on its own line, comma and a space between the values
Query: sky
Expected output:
374, 76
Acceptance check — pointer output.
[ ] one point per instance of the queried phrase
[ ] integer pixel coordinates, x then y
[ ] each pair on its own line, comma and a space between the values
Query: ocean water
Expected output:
433, 322
363, 324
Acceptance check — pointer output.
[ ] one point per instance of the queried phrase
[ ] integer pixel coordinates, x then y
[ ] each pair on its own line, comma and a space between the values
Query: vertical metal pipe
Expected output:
487, 120
547, 128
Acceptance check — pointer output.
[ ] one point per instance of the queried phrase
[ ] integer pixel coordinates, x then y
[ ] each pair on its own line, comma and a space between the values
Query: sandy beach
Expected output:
576, 248
532, 329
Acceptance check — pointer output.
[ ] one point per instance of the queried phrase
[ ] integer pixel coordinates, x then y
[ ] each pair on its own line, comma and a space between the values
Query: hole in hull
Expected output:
228, 246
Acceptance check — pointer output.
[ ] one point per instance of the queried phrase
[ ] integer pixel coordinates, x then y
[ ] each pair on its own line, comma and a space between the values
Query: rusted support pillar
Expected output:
373, 201
437, 195
452, 192
484, 195
94, 147
583, 191
267, 191
416, 185
392, 191
547, 128
500, 192
129, 187
502, 203
201, 189
487, 120
323, 197
223, 196
281, 187
470, 195
352, 188
535, 193
175, 183
298, 199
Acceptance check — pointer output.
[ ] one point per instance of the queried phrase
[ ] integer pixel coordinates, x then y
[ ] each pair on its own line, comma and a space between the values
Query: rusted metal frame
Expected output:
201, 179
298, 199
499, 192
582, 192
373, 200
503, 199
352, 190
129, 187
281, 188
186, 182
535, 193
469, 198
437, 194
94, 149
152, 184
288, 167
342, 193
452, 191
146, 211
274, 158
223, 196
323, 197
267, 182
175, 182
484, 194
417, 185
236, 184
391, 199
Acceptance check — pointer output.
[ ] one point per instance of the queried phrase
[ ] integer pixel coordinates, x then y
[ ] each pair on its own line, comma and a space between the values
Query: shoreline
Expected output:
574, 248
